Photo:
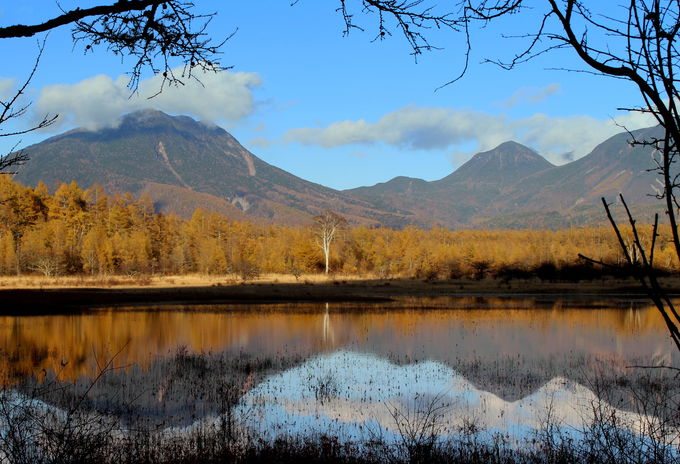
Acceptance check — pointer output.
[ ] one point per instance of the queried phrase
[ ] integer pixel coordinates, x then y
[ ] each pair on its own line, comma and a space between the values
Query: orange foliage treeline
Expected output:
78, 231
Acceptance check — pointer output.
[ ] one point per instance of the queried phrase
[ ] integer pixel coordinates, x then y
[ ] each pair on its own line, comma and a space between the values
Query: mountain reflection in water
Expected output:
177, 361
358, 397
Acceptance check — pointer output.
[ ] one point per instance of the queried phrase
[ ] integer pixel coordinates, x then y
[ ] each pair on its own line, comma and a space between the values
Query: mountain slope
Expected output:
457, 198
612, 167
575, 189
504, 165
513, 186
181, 163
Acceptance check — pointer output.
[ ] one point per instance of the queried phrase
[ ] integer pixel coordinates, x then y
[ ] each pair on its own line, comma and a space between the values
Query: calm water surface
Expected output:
305, 367
453, 331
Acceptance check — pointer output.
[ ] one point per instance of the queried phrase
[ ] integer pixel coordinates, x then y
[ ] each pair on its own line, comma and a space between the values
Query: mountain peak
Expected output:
150, 118
510, 152
182, 164
146, 117
511, 144
146, 113
508, 162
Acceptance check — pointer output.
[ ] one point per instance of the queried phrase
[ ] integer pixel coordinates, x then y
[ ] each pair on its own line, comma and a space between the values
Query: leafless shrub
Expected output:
48, 265
33, 431
325, 387
419, 428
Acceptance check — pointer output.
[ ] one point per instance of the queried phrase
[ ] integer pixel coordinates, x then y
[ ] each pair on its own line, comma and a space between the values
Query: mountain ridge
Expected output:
545, 195
149, 148
183, 164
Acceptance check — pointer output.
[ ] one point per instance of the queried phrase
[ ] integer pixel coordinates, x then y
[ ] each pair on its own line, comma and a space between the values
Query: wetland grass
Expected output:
103, 421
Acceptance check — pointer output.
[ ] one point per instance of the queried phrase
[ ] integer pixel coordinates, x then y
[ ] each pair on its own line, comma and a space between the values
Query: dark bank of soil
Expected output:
73, 299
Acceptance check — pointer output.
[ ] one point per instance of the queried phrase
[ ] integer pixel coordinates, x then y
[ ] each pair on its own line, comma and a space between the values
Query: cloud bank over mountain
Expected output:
99, 101
228, 97
436, 128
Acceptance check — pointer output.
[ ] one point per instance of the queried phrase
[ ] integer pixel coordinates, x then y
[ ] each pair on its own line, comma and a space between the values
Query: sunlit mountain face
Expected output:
182, 164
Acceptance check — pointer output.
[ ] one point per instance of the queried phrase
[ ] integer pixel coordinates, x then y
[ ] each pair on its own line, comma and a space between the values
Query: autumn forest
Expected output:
77, 231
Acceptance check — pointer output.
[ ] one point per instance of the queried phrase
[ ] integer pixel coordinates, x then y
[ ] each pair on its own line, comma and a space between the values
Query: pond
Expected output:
500, 367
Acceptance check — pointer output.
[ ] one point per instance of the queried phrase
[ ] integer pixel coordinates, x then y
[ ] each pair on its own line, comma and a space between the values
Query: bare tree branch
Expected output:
154, 37
155, 33
69, 17
410, 17
13, 108
636, 42
646, 273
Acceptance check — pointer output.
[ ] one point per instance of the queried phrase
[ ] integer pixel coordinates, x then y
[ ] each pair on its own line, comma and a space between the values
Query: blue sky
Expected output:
340, 111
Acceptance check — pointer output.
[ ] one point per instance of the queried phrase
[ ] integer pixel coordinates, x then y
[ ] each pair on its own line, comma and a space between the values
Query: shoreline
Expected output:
65, 295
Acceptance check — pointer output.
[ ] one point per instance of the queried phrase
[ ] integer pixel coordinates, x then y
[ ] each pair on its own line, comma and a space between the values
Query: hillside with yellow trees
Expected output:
77, 231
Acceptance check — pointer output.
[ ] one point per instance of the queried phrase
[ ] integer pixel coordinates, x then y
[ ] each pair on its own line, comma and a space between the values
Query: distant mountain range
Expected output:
182, 164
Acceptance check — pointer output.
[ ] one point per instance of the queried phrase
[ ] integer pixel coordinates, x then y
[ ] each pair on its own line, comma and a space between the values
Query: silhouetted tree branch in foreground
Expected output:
636, 42
14, 107
640, 260
156, 34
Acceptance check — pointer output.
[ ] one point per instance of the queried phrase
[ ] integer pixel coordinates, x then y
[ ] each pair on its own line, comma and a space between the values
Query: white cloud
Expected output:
259, 142
100, 100
7, 89
531, 95
573, 136
437, 128
411, 127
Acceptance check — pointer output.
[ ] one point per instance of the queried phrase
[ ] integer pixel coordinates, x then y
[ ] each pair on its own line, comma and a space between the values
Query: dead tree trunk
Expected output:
327, 225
